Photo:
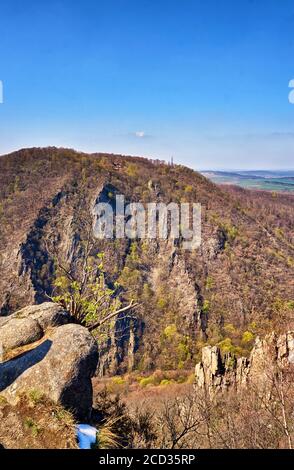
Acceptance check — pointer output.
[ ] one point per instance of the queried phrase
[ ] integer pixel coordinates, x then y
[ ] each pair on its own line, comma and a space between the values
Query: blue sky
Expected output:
204, 81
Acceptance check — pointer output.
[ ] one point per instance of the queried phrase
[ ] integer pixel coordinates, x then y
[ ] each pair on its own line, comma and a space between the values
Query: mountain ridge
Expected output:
240, 280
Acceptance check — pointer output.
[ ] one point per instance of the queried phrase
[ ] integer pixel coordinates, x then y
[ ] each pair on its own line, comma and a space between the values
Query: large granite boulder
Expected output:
30, 324
60, 368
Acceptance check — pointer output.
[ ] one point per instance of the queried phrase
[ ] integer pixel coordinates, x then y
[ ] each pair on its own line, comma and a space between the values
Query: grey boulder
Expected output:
60, 368
30, 324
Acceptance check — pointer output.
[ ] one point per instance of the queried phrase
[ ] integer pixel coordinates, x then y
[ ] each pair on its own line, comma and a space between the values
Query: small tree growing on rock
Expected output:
86, 296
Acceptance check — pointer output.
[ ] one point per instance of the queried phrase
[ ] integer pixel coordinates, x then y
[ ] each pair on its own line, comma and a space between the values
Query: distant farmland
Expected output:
263, 180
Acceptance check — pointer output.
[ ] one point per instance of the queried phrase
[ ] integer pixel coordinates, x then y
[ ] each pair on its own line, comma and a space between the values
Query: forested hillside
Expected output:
238, 285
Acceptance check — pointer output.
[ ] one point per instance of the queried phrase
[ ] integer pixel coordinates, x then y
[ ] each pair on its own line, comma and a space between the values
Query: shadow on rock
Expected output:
12, 369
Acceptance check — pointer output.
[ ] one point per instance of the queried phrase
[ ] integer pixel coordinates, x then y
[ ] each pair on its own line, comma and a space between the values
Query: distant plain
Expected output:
260, 179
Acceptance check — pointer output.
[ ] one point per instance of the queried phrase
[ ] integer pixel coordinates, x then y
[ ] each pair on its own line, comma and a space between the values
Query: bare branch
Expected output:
111, 315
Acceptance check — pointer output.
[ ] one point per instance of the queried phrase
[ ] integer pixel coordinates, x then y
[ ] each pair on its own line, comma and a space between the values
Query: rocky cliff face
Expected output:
243, 266
269, 355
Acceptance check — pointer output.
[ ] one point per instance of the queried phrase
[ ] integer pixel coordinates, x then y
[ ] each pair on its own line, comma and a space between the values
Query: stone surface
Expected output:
60, 367
19, 332
215, 373
30, 324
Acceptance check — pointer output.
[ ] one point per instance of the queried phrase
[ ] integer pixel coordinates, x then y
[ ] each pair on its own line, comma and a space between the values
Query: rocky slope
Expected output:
240, 281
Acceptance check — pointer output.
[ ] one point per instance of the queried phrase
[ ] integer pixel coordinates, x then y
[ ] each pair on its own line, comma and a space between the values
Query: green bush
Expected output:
170, 331
118, 380
247, 337
147, 381
188, 188
165, 382
226, 345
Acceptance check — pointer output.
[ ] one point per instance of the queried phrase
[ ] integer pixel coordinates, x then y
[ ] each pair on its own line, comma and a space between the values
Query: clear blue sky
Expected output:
204, 81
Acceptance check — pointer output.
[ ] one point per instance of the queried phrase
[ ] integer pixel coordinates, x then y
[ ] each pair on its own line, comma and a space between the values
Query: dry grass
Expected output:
36, 423
133, 393
107, 438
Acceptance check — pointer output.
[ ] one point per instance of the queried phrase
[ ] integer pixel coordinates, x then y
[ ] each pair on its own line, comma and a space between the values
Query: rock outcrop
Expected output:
30, 324
59, 366
219, 373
